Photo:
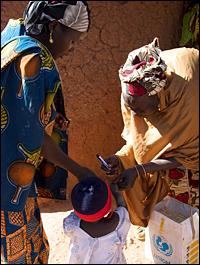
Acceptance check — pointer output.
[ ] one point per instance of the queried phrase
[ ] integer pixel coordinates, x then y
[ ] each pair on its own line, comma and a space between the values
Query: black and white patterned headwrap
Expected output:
73, 14
144, 71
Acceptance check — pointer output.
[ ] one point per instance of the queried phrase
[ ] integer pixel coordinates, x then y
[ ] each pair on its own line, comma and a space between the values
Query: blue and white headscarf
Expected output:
72, 14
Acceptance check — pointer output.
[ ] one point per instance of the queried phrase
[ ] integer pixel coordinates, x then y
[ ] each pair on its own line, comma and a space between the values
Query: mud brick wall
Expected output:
90, 73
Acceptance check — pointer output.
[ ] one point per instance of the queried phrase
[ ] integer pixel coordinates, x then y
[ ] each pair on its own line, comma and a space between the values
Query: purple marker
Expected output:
103, 161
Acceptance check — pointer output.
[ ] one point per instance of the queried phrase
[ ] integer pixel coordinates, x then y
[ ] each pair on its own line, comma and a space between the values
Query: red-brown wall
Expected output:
90, 74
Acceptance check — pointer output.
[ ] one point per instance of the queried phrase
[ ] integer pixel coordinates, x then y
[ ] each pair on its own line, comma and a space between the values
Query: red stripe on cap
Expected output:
100, 214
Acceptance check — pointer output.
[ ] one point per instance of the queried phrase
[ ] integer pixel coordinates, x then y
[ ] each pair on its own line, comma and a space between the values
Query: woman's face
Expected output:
63, 40
142, 105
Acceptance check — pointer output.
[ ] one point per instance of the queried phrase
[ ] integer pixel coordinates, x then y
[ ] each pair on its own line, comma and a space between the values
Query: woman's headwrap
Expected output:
143, 72
73, 14
91, 199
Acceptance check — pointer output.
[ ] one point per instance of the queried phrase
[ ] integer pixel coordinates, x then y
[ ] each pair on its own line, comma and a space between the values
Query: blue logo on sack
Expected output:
162, 245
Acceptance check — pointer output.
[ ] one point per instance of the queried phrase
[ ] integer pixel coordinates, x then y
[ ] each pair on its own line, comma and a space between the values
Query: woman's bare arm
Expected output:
52, 152
127, 178
160, 164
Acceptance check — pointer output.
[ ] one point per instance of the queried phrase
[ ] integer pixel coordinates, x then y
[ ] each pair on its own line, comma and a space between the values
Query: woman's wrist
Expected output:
143, 169
140, 168
156, 165
120, 165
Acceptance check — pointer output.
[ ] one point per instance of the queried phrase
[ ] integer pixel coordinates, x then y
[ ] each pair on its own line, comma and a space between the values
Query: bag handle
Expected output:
190, 203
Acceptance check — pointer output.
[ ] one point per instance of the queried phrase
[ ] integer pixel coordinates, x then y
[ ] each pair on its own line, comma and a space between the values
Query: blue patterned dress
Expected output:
27, 110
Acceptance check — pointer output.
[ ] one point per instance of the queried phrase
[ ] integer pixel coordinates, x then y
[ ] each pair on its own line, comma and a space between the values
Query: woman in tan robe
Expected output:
159, 104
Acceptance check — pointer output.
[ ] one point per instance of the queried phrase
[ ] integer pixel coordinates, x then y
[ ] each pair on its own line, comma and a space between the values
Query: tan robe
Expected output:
171, 132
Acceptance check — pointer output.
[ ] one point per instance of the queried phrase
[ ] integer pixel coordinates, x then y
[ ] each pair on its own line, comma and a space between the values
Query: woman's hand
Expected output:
115, 166
126, 179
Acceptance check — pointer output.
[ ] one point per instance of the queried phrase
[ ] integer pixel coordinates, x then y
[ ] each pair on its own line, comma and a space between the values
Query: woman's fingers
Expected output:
123, 185
126, 179
103, 167
112, 172
112, 168
117, 179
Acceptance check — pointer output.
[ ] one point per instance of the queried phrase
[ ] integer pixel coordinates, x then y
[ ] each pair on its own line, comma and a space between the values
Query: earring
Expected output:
51, 37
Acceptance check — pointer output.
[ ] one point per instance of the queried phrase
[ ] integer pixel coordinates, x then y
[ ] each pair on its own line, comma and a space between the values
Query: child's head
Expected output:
91, 199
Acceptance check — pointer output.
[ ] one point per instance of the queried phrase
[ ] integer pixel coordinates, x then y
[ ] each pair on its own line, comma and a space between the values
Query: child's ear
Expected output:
155, 42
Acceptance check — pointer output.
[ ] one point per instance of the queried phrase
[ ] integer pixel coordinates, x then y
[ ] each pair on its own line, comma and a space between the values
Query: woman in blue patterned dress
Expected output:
30, 82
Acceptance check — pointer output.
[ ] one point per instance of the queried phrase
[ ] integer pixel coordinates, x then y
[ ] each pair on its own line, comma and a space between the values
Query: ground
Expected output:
59, 243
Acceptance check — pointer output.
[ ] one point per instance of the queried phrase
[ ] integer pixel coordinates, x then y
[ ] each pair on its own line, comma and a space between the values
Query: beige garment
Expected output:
170, 132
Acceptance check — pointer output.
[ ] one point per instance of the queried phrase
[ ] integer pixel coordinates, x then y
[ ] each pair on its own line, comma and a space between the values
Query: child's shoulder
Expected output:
71, 222
124, 223
122, 212
124, 219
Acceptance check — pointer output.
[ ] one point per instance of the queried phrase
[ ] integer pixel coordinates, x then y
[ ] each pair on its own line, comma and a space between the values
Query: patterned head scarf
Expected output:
143, 72
73, 14
91, 199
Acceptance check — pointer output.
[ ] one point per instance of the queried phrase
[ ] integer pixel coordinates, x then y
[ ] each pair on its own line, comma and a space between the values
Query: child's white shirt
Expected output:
107, 249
